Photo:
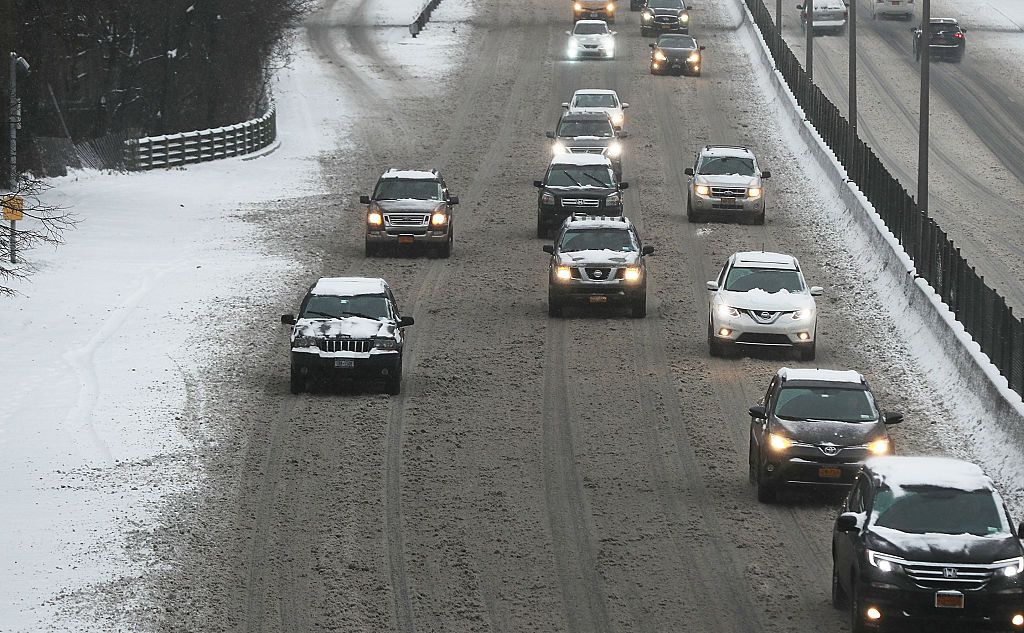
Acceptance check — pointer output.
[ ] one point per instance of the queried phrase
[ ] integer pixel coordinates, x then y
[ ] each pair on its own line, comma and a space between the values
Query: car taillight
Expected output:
958, 36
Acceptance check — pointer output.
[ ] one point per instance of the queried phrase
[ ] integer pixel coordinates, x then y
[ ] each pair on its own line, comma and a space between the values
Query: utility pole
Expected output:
853, 74
922, 141
809, 25
14, 113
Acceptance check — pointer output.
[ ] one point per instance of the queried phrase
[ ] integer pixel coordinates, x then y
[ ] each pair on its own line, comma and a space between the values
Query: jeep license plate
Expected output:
949, 600
830, 473
406, 239
598, 299
344, 363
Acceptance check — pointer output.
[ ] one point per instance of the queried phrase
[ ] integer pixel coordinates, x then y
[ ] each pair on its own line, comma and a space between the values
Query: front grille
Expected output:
666, 19
406, 219
586, 150
580, 202
599, 274
763, 316
949, 575
730, 192
344, 345
763, 338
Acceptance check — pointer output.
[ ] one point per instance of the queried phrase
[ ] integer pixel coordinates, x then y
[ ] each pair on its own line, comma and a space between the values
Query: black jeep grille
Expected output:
344, 345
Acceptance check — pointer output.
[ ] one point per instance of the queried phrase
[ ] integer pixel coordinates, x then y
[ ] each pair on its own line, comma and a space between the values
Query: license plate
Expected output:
831, 473
598, 299
729, 201
949, 600
344, 363
406, 239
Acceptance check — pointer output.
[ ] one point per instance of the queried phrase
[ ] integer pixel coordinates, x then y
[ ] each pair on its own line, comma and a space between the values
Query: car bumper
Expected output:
672, 65
909, 608
743, 330
736, 207
554, 216
667, 27
346, 365
581, 52
597, 292
593, 14
812, 472
407, 237
829, 24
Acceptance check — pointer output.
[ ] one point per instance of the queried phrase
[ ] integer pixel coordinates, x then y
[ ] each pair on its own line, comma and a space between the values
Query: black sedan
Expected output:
946, 39
674, 53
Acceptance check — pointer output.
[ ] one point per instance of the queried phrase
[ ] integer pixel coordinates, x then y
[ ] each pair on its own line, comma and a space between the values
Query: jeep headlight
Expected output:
1012, 566
647, 17
684, 17
558, 147
563, 273
374, 218
694, 57
547, 198
632, 274
658, 55
302, 340
754, 193
385, 344
613, 200
614, 149
725, 311
702, 190
879, 446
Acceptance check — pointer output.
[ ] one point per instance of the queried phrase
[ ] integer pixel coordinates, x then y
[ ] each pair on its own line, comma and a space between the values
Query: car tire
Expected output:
857, 624
556, 310
638, 307
766, 492
808, 353
645, 32
691, 215
371, 250
445, 251
542, 229
393, 384
716, 349
751, 468
959, 57
296, 382
838, 595
758, 219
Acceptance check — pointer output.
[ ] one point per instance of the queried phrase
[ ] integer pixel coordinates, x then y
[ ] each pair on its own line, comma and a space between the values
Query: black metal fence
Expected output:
981, 310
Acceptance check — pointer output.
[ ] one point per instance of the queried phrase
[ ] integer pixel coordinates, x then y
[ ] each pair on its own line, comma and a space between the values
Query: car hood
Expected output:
585, 189
348, 327
664, 11
597, 256
609, 111
587, 141
756, 299
943, 548
676, 52
593, 39
409, 205
826, 432
726, 180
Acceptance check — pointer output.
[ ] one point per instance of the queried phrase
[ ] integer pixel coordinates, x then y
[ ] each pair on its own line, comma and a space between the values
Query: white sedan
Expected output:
591, 100
591, 38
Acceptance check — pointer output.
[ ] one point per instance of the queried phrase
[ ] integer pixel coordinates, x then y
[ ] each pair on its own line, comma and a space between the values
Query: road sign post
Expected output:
13, 210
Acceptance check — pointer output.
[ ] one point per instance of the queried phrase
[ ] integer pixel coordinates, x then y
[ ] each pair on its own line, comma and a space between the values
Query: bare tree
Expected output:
42, 224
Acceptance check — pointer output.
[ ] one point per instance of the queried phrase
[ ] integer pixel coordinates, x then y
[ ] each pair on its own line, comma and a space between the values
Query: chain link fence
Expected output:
981, 310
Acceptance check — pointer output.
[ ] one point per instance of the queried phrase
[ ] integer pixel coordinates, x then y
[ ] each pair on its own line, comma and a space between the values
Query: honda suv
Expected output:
926, 543
814, 427
576, 183
725, 182
589, 133
409, 209
347, 327
597, 261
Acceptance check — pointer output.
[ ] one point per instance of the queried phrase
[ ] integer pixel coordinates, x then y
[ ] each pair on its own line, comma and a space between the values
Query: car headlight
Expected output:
879, 446
658, 55
632, 274
647, 17
1013, 566
611, 7
684, 17
725, 311
438, 218
304, 341
388, 344
618, 118
613, 200
702, 190
564, 273
373, 218
547, 198
558, 147
754, 192
779, 442
614, 150
693, 58
577, 6
884, 562
800, 315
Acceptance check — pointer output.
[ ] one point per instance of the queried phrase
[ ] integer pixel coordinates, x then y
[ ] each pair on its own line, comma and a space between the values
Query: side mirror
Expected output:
701, 48
962, 30
817, 291
549, 134
453, 200
288, 319
848, 522
549, 249
766, 174
364, 199
688, 171
800, 7
614, 33
892, 417
758, 412
712, 286
623, 185
538, 183
625, 105
647, 250
568, 32
566, 105
406, 321
623, 134
652, 45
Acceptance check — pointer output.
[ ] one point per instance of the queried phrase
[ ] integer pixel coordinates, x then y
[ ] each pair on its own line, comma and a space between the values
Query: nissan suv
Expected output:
814, 427
597, 261
589, 133
410, 209
926, 544
725, 182
762, 300
347, 327
664, 15
576, 183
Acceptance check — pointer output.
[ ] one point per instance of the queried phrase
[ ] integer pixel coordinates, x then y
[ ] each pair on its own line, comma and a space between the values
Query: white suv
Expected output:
598, 101
761, 299
902, 8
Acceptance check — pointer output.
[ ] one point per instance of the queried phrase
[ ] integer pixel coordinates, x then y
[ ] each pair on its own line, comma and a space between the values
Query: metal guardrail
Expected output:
982, 311
172, 150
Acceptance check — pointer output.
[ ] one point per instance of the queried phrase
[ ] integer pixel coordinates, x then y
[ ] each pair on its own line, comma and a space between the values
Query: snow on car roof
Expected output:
348, 286
766, 259
410, 174
594, 91
821, 375
599, 222
591, 22
582, 159
943, 472
726, 150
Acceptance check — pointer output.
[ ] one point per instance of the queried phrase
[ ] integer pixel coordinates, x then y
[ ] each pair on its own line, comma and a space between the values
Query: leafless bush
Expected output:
42, 224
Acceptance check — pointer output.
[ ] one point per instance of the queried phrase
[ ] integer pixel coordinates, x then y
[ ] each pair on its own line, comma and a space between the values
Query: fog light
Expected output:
874, 614
724, 332
655, 66
803, 336
1017, 620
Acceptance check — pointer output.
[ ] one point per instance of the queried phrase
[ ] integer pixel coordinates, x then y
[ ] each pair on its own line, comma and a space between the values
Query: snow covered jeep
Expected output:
347, 327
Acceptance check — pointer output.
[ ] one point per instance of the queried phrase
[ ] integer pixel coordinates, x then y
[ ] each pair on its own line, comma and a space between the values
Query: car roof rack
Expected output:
742, 147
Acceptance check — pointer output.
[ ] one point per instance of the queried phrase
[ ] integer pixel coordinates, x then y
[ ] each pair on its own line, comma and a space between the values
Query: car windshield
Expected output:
586, 127
935, 510
590, 29
398, 189
767, 279
334, 307
835, 404
677, 41
726, 165
576, 176
597, 239
596, 101
665, 4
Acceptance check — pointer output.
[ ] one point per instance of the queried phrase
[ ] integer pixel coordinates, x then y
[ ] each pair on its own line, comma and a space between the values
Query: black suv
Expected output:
664, 15
576, 183
926, 543
814, 426
589, 133
597, 261
410, 208
946, 40
348, 327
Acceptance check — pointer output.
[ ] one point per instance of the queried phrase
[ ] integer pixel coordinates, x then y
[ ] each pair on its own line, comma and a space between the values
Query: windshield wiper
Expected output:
578, 183
595, 179
361, 315
323, 314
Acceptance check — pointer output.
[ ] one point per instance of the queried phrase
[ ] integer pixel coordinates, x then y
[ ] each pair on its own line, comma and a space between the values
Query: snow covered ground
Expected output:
103, 343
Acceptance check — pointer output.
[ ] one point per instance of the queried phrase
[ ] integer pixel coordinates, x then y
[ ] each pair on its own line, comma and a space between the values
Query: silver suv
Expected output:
408, 209
725, 183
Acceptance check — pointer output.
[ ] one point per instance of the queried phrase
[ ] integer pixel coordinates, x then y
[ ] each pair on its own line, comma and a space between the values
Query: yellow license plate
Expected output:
949, 600
406, 239
831, 473
598, 299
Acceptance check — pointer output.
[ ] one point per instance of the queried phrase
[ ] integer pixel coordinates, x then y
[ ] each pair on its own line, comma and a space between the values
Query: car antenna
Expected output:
762, 247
